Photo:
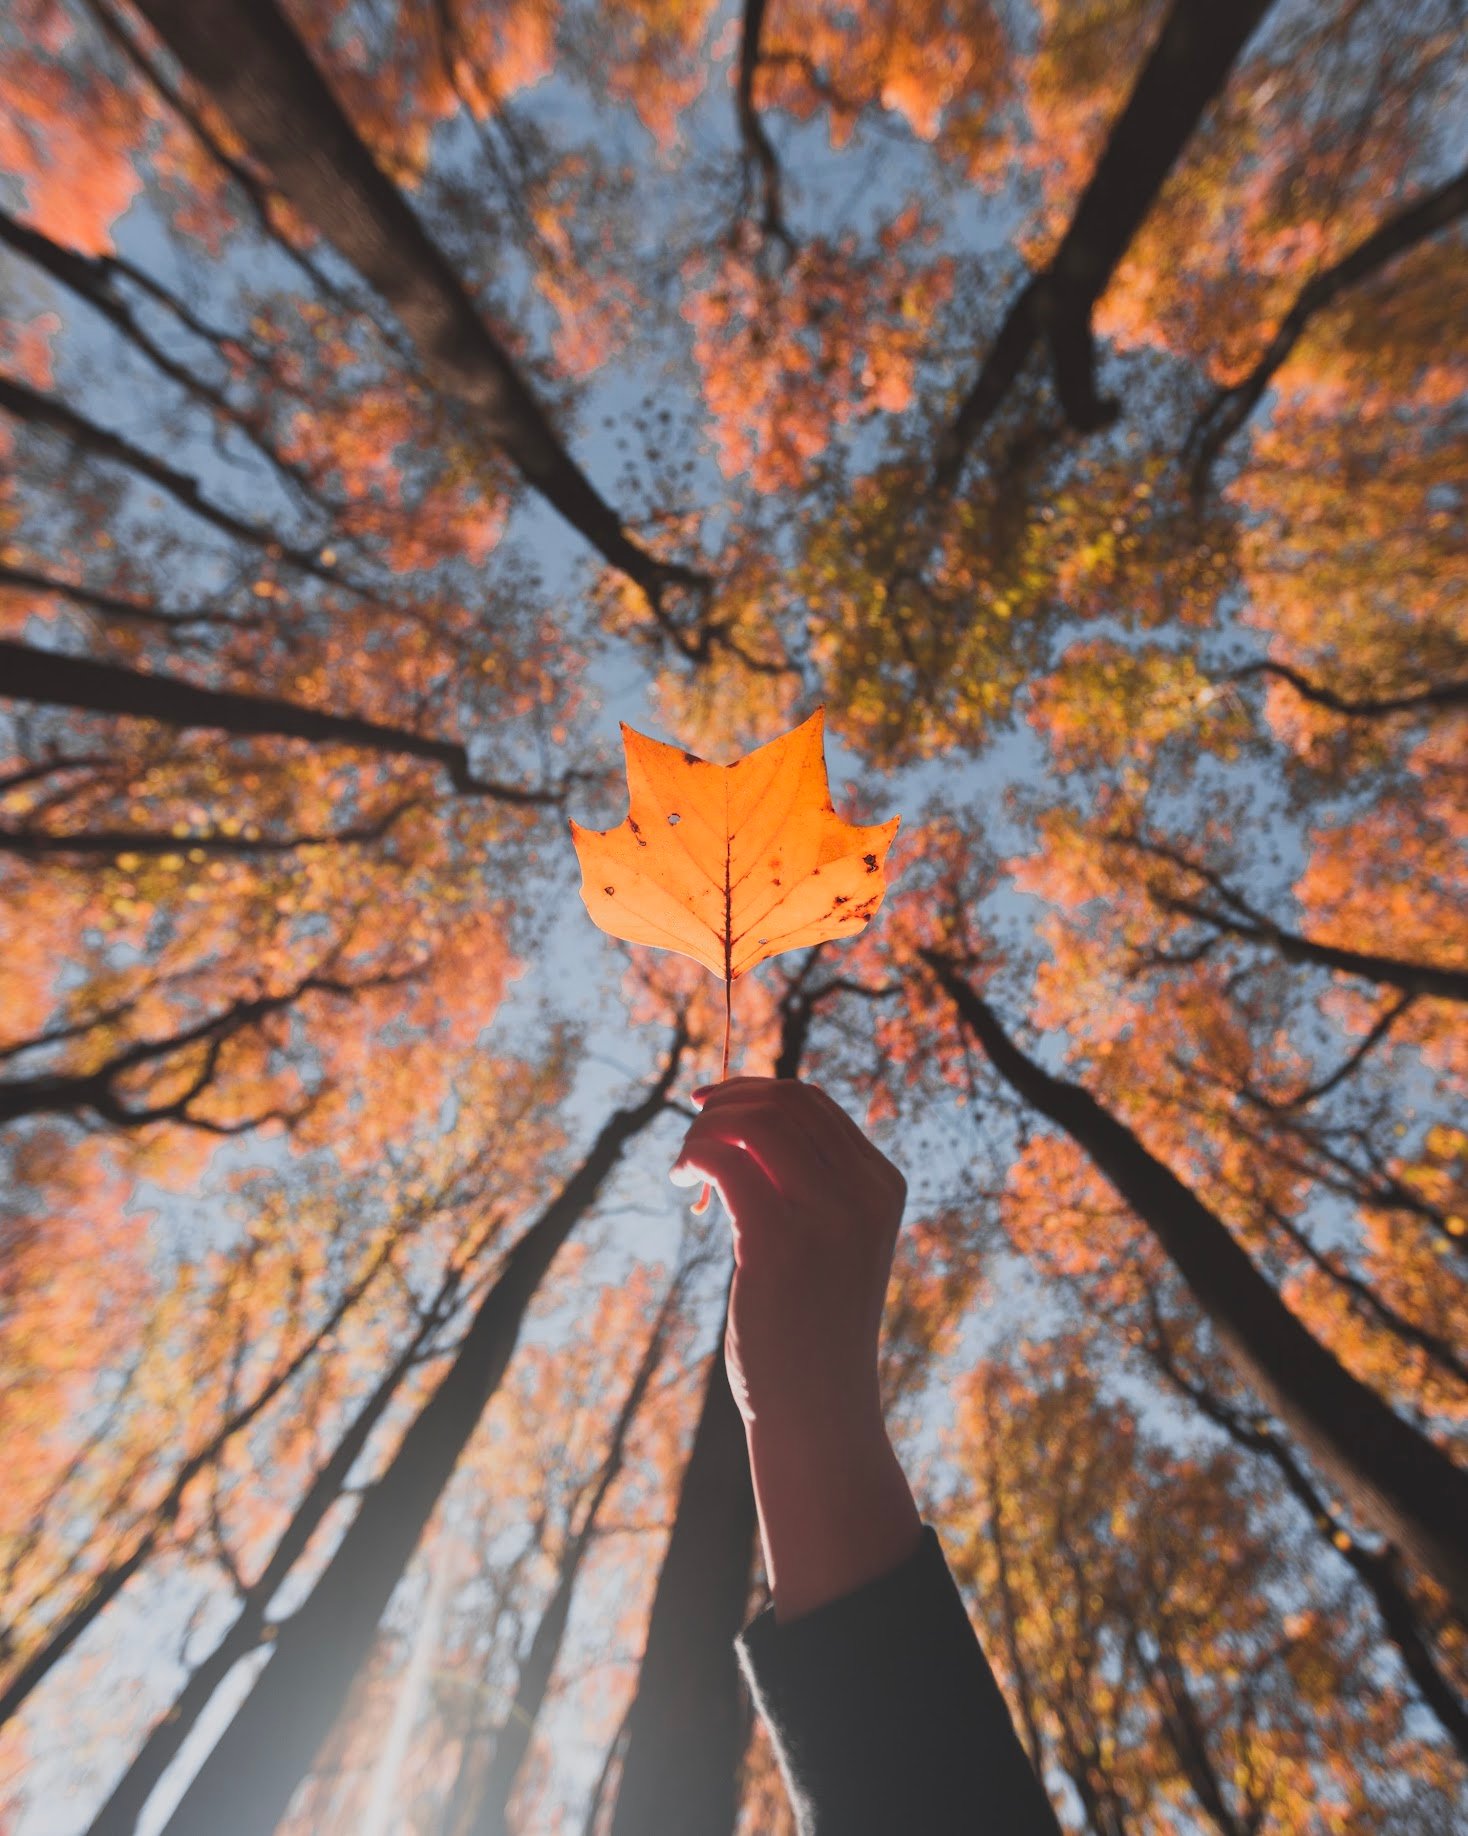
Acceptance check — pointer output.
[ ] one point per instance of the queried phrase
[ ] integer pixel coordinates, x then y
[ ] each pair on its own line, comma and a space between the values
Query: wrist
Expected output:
835, 1510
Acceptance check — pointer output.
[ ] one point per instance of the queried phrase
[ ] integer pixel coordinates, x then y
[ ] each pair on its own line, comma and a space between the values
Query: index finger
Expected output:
707, 1093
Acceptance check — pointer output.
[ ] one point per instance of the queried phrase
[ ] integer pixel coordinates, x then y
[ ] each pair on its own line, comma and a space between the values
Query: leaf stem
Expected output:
706, 1193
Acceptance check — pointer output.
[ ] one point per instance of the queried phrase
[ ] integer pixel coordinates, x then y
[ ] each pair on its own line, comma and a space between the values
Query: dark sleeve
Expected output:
886, 1717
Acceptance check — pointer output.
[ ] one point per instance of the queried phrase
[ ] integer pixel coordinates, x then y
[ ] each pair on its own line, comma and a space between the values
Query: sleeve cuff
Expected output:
886, 1716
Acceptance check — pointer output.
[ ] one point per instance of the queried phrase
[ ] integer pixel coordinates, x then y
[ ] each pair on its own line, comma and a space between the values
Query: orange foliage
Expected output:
837, 341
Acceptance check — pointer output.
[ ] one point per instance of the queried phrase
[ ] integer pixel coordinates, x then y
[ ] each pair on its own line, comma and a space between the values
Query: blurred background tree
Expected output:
392, 397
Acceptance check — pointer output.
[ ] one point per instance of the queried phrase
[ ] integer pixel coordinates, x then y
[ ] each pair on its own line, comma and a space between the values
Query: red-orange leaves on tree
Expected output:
834, 341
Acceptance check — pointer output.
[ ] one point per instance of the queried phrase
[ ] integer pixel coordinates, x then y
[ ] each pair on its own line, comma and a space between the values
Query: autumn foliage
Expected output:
1070, 399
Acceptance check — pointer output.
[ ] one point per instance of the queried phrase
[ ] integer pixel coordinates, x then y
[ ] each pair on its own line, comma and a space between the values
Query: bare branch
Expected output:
90, 278
114, 605
1241, 919
759, 152
34, 844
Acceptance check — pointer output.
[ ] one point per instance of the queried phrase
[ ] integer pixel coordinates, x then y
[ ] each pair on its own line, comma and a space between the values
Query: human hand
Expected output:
815, 1210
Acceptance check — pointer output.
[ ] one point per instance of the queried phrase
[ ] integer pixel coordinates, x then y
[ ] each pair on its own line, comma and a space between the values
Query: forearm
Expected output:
835, 1510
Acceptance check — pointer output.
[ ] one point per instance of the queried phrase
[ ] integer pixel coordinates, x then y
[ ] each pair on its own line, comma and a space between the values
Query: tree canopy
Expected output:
1068, 398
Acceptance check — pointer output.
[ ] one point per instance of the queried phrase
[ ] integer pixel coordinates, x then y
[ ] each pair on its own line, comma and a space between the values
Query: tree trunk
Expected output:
1392, 1477
119, 1814
109, 1582
687, 1729
1187, 67
246, 1784
512, 1739
1375, 1569
247, 56
52, 678
688, 1725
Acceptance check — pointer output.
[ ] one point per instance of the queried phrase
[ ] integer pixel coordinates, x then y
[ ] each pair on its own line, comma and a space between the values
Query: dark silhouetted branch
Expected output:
513, 1737
102, 1090
1240, 919
115, 605
759, 152
32, 844
109, 1581
249, 59
92, 278
1358, 707
1377, 1570
1187, 68
54, 679
1393, 1477
38, 409
1230, 408
124, 1804
246, 1783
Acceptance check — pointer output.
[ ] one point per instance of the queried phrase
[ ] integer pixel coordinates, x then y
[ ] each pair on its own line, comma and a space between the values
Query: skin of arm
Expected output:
815, 1210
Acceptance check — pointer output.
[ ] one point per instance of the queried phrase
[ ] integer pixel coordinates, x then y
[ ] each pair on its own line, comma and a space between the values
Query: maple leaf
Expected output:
730, 864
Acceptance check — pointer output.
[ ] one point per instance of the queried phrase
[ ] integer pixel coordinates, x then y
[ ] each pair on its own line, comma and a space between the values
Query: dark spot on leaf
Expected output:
673, 817
692, 758
776, 880
871, 862
841, 899
609, 890
637, 831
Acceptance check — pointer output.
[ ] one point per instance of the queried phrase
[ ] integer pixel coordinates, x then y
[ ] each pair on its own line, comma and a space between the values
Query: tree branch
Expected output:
38, 409
248, 58
106, 1584
759, 152
90, 278
1231, 407
54, 679
70, 1093
296, 1700
1367, 707
1187, 68
33, 844
114, 605
1377, 1570
1432, 980
1394, 1477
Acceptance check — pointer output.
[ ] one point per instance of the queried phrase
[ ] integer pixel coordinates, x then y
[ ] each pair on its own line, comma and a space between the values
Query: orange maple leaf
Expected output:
730, 864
